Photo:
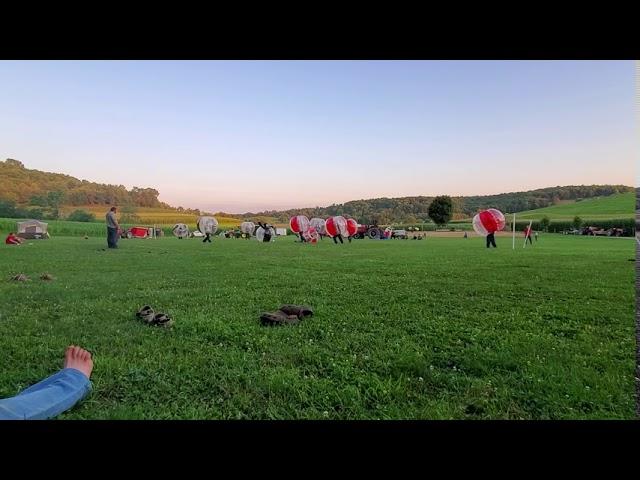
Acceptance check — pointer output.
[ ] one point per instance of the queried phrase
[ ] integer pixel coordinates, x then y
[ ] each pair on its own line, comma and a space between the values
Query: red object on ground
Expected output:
311, 235
139, 232
12, 240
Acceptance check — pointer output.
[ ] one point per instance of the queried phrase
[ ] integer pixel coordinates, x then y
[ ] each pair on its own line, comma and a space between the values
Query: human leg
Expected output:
54, 395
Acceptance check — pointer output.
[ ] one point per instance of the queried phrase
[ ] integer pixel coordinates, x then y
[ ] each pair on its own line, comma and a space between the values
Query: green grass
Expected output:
621, 205
57, 228
434, 329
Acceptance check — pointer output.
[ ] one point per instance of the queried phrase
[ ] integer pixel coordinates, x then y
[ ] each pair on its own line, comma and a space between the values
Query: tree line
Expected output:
23, 186
409, 210
36, 194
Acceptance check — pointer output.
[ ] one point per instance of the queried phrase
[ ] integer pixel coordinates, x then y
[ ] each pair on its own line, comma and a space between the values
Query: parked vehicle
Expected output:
137, 232
372, 231
399, 234
601, 232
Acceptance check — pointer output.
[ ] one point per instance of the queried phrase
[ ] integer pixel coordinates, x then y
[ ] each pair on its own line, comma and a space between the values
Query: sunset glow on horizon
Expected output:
259, 135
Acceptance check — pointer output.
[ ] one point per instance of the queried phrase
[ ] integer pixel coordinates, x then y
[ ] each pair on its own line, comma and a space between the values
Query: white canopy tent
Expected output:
32, 229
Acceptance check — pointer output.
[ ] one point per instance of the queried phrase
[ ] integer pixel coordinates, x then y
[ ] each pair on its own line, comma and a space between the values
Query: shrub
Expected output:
81, 216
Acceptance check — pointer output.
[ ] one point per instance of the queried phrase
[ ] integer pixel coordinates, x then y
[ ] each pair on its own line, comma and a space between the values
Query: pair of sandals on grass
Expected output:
286, 315
150, 317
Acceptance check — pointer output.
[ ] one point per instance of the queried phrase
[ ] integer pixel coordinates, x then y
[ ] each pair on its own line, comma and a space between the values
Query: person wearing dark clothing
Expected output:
112, 228
527, 235
267, 231
335, 239
301, 237
491, 240
207, 237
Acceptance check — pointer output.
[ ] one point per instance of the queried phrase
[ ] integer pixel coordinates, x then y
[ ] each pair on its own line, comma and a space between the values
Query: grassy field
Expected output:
148, 215
66, 228
434, 329
622, 205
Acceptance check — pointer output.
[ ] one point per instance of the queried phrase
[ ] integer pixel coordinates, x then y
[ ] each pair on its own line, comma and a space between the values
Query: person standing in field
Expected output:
527, 235
536, 234
112, 228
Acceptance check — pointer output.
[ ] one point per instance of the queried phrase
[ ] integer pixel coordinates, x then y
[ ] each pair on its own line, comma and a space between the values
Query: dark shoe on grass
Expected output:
146, 314
300, 311
162, 320
278, 318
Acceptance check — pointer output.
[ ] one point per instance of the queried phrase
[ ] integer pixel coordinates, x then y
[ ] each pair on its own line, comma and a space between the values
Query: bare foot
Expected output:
78, 358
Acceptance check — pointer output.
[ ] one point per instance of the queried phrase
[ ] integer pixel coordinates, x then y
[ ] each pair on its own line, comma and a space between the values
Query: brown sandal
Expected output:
278, 318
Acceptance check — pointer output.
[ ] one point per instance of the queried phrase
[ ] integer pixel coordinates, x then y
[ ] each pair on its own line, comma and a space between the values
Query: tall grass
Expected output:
91, 229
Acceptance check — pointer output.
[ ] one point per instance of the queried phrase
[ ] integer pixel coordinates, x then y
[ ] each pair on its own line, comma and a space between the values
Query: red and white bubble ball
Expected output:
318, 224
352, 227
311, 235
299, 224
336, 226
488, 221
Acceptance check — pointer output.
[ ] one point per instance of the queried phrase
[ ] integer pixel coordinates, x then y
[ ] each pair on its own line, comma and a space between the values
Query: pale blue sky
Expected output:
255, 135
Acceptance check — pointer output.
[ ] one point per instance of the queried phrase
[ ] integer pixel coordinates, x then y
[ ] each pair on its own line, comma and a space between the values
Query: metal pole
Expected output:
514, 232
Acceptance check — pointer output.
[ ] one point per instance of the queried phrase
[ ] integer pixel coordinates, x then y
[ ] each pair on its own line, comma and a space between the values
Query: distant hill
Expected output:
619, 205
28, 187
414, 209
33, 193
37, 194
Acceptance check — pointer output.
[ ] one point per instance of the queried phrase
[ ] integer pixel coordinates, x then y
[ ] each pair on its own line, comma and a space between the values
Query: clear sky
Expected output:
255, 135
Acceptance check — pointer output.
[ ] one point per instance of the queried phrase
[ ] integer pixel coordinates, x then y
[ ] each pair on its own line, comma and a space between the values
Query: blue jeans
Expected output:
48, 398
112, 237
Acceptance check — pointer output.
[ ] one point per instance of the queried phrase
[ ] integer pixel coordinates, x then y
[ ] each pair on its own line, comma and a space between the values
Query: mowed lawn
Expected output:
434, 329
621, 205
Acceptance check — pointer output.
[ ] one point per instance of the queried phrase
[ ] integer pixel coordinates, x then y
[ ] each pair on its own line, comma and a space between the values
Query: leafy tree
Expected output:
544, 223
577, 222
128, 214
440, 210
81, 216
38, 201
8, 209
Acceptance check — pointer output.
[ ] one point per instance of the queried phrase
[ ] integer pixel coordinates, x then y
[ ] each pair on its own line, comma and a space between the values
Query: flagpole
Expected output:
514, 232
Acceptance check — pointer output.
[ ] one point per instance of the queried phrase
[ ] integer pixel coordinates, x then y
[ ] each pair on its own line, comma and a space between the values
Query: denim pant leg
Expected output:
48, 398
112, 237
